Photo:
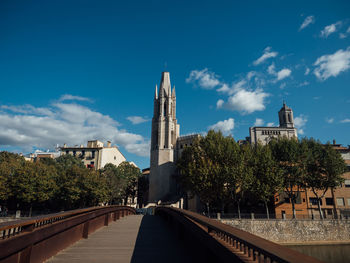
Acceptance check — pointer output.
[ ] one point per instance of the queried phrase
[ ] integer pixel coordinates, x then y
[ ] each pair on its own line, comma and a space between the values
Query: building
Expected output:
166, 143
95, 155
38, 155
286, 128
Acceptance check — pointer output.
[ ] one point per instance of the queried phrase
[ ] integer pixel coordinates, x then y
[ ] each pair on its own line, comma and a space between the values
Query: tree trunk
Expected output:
30, 211
208, 210
319, 207
239, 210
293, 207
267, 210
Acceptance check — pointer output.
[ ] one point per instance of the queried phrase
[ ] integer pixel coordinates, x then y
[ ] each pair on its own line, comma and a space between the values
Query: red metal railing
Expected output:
39, 238
226, 243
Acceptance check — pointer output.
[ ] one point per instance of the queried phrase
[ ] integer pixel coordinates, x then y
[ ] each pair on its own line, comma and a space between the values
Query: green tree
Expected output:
210, 169
115, 182
130, 173
268, 177
289, 155
324, 167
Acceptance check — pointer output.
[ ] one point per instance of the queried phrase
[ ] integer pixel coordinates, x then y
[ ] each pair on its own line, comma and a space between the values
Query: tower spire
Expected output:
156, 92
173, 94
165, 83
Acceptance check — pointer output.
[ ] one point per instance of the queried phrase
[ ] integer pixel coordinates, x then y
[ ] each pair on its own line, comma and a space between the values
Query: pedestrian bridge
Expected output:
117, 234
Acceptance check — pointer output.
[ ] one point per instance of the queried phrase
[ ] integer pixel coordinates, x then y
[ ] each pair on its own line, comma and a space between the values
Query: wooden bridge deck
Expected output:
134, 238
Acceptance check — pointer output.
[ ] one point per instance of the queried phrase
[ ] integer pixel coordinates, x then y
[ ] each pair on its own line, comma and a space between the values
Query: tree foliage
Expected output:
219, 171
62, 183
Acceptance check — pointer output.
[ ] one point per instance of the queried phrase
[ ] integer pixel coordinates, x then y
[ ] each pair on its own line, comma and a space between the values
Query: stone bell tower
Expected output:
165, 132
286, 116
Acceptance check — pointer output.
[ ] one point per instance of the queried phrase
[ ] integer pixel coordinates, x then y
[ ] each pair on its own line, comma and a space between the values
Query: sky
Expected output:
73, 71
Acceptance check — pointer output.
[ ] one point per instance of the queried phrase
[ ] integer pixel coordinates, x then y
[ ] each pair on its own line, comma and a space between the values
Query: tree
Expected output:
209, 169
268, 177
324, 168
115, 182
289, 155
130, 174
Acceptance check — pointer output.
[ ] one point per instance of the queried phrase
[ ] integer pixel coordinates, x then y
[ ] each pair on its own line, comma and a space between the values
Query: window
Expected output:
329, 212
340, 201
289, 119
67, 152
115, 158
93, 154
313, 201
329, 201
82, 153
348, 201
347, 183
74, 153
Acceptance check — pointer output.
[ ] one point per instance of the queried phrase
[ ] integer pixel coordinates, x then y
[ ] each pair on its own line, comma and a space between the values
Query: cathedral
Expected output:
166, 143
285, 129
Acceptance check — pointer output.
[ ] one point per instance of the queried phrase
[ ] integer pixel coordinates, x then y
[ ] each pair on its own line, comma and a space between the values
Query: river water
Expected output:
326, 253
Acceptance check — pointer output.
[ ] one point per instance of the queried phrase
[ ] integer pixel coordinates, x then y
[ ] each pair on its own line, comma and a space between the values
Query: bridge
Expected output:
117, 234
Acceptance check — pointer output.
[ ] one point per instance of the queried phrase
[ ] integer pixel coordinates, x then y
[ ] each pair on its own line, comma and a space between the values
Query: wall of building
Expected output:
296, 231
111, 155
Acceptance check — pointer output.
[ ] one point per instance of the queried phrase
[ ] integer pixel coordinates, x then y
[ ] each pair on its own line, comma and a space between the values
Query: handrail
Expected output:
237, 241
47, 235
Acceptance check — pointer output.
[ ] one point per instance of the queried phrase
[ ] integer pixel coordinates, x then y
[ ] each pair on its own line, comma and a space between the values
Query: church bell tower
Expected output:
165, 132
286, 117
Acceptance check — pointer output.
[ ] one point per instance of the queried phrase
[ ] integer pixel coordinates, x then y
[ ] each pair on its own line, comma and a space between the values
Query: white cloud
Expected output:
137, 119
225, 126
345, 121
204, 78
270, 124
300, 123
235, 87
271, 69
332, 65
27, 109
266, 55
330, 29
258, 122
64, 123
72, 97
345, 34
329, 120
283, 73
308, 20
245, 101
307, 71
305, 83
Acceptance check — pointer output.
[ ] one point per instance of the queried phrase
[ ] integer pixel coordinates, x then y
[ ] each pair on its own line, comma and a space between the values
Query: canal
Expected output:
326, 253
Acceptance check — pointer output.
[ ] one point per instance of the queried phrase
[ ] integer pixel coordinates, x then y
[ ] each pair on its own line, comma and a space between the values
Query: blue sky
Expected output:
72, 71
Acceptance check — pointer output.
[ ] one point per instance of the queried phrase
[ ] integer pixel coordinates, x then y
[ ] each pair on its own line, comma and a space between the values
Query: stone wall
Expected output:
296, 231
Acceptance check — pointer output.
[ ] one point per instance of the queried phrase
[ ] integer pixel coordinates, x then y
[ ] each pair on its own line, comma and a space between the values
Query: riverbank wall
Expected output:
296, 231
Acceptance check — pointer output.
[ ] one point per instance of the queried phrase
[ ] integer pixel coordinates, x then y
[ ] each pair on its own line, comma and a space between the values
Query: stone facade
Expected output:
296, 231
286, 128
166, 143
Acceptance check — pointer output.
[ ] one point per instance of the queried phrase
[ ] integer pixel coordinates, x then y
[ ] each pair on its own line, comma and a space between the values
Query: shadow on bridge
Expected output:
158, 242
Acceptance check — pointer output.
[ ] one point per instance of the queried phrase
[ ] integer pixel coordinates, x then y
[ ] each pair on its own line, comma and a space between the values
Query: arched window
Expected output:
289, 119
164, 111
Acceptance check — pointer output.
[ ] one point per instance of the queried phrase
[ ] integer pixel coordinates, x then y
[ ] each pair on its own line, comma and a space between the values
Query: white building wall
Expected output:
111, 155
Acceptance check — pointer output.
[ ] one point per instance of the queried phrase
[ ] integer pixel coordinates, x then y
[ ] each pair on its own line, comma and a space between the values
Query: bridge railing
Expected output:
225, 243
39, 238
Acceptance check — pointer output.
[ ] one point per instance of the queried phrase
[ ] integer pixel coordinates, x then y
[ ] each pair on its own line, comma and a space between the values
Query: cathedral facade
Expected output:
166, 143
285, 129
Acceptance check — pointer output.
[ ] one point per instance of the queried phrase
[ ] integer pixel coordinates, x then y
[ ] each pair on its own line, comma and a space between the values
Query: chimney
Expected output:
333, 141
108, 144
